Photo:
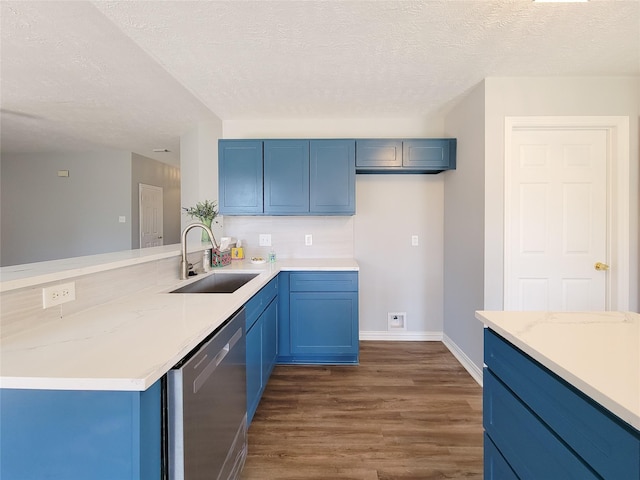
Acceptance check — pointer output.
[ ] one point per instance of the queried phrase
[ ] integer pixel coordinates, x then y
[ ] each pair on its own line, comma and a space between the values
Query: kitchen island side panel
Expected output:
77, 435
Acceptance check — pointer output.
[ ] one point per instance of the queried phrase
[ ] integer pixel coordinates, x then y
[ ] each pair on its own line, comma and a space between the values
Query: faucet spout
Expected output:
184, 265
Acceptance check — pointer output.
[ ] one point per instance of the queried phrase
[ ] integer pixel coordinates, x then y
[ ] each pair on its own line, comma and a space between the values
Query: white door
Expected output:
556, 219
151, 211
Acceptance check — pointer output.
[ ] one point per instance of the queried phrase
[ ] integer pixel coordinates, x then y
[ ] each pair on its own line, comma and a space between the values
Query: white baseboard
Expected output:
465, 361
402, 336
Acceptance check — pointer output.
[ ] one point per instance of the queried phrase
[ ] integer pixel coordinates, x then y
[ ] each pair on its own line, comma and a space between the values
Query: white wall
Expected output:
389, 209
199, 172
464, 192
47, 217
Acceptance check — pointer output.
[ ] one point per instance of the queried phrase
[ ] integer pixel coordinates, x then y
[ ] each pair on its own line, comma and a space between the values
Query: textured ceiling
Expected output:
136, 74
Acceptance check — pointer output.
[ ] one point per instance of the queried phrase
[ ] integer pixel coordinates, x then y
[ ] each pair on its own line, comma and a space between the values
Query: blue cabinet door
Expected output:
379, 153
269, 341
254, 368
333, 177
428, 153
262, 317
322, 323
286, 177
240, 171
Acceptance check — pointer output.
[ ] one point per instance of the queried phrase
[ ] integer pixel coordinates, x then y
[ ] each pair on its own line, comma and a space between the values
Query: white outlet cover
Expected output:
308, 239
58, 294
265, 239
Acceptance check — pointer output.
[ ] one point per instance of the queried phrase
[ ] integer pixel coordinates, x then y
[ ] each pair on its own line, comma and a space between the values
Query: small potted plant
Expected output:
206, 212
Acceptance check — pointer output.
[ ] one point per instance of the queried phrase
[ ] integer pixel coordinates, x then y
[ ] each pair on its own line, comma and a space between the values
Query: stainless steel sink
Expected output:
218, 283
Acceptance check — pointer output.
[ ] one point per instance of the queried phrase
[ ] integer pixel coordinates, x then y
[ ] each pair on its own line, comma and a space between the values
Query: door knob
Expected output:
601, 266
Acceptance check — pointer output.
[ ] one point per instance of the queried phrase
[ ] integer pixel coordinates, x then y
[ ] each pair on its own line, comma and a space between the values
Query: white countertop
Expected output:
596, 352
129, 343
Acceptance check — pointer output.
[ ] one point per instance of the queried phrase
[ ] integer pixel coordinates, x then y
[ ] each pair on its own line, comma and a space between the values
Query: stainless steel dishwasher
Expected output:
206, 404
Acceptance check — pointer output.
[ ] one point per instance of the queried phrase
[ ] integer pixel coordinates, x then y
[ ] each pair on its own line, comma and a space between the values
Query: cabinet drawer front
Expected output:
532, 450
605, 442
255, 306
379, 153
324, 282
495, 466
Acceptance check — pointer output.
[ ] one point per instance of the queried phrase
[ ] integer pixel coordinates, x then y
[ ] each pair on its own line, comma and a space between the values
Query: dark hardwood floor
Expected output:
409, 411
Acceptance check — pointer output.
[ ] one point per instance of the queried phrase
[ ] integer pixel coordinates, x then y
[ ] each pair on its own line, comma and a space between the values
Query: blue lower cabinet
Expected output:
319, 319
261, 355
254, 368
77, 435
540, 426
262, 342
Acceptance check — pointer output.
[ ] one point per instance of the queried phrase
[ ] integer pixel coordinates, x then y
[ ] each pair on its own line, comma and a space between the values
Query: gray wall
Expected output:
46, 217
151, 172
464, 191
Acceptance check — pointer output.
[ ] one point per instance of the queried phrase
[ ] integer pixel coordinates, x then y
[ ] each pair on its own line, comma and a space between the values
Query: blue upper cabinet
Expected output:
333, 177
286, 177
240, 177
423, 155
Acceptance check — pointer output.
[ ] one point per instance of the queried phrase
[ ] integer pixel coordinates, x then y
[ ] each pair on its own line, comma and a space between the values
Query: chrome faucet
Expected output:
184, 265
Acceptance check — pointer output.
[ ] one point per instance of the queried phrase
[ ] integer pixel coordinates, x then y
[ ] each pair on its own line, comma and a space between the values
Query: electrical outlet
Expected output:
308, 239
414, 240
265, 239
58, 294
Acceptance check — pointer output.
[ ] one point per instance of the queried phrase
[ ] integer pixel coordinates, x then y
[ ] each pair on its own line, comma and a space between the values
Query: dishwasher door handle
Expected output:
215, 361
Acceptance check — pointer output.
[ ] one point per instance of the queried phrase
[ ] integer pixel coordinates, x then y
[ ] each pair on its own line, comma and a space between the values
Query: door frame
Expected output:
618, 199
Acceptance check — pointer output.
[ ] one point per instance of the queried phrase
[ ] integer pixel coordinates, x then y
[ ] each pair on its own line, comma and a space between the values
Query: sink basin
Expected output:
218, 283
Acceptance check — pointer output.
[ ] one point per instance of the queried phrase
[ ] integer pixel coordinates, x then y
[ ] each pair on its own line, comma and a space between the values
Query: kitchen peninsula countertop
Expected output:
129, 343
596, 352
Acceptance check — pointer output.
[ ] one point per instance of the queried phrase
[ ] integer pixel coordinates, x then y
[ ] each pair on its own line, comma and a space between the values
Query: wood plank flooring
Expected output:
409, 411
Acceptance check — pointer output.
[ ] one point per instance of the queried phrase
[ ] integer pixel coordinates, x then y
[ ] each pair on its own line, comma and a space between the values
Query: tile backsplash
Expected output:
332, 236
